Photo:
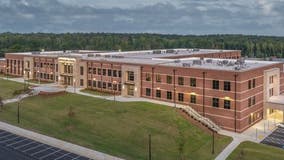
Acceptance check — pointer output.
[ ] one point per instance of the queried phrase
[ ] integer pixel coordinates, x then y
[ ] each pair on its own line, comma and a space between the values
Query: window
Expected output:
99, 84
94, 84
119, 73
81, 82
193, 82
271, 92
148, 92
215, 84
148, 77
99, 71
227, 86
158, 93
249, 84
169, 79
94, 71
130, 76
56, 67
215, 102
104, 72
114, 73
169, 95
158, 78
271, 79
180, 80
253, 100
192, 98
109, 85
249, 102
227, 104
109, 72
180, 97
89, 83
81, 70
253, 83
104, 85
90, 70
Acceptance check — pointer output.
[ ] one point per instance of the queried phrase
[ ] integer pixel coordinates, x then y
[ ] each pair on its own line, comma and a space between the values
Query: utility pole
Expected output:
18, 114
213, 142
150, 152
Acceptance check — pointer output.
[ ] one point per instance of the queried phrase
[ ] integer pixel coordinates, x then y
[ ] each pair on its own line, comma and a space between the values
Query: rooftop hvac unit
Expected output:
98, 55
90, 55
197, 62
177, 61
170, 51
209, 60
195, 49
225, 62
157, 52
231, 63
107, 56
186, 64
237, 68
36, 52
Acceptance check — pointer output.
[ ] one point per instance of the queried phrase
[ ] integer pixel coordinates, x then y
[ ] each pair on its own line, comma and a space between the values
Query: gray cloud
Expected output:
263, 17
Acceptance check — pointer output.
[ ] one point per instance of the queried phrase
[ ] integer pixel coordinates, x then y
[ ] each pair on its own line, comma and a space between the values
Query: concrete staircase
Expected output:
195, 115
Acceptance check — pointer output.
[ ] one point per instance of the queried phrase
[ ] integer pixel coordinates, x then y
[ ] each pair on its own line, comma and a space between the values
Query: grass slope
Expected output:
7, 88
253, 151
120, 129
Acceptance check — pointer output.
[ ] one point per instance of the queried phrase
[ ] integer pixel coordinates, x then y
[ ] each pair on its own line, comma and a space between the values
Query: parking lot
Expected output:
276, 138
20, 147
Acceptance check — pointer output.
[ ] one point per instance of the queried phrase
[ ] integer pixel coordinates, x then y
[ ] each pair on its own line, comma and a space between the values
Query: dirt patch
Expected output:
48, 94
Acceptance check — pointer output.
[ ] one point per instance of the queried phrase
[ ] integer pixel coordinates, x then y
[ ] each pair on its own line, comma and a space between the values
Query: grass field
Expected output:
7, 88
253, 151
116, 128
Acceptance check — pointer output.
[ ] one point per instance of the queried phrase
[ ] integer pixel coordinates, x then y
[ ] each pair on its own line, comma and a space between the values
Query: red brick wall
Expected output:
15, 64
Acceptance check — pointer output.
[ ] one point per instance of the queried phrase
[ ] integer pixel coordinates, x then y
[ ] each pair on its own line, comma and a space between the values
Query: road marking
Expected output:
17, 142
33, 147
41, 151
62, 156
49, 154
25, 145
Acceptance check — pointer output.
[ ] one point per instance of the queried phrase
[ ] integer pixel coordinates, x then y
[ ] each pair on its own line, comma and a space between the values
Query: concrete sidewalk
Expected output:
57, 143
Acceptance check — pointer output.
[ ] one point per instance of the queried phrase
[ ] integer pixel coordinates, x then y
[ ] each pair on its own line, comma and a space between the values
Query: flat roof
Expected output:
162, 57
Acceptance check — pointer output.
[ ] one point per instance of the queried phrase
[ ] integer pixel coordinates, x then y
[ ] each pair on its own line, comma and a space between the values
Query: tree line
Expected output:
250, 45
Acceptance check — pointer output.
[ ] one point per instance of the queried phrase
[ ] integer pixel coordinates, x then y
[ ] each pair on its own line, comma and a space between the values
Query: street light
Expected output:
114, 83
38, 75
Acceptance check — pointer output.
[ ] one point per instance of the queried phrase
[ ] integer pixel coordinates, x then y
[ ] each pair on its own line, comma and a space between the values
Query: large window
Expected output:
158, 78
104, 72
180, 80
215, 102
81, 70
227, 104
81, 82
99, 71
253, 83
114, 73
192, 98
130, 75
249, 84
169, 79
94, 71
148, 92
148, 77
169, 95
227, 86
109, 72
180, 97
158, 93
215, 84
193, 82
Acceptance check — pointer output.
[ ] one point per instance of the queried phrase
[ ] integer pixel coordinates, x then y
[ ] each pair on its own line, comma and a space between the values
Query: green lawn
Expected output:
253, 151
120, 129
7, 88
94, 92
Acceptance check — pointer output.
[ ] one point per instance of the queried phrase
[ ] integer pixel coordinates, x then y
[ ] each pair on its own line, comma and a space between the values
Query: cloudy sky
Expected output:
262, 17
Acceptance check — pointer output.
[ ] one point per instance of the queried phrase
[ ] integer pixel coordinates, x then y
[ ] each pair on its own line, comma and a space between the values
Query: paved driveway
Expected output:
276, 138
13, 147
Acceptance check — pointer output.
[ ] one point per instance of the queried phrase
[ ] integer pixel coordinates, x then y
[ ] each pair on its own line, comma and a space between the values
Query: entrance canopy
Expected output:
275, 102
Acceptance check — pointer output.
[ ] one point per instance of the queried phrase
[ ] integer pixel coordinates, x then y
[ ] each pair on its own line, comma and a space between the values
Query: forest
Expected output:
251, 45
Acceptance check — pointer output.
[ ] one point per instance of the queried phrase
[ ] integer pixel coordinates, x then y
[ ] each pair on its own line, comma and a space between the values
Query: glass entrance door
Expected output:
130, 90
